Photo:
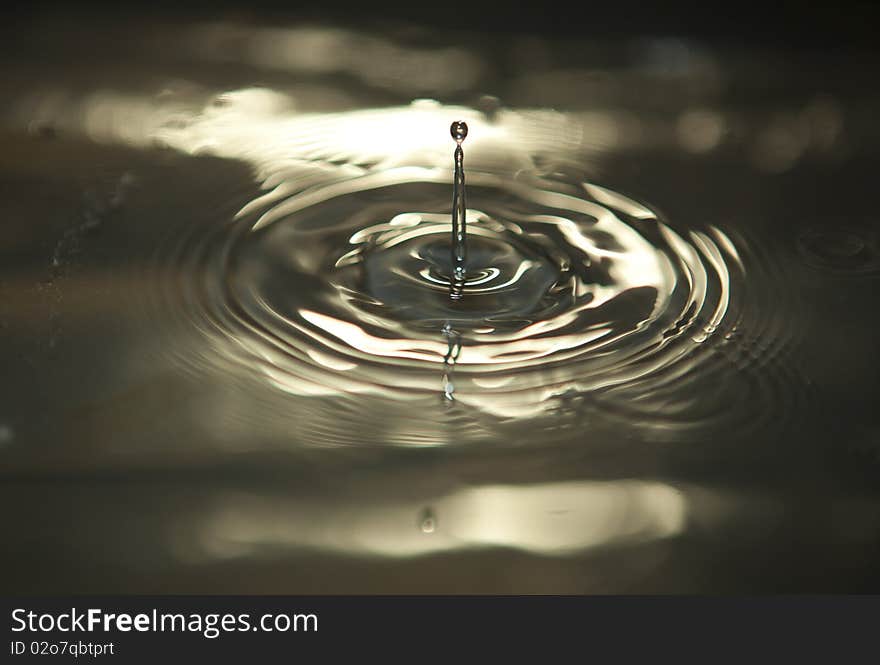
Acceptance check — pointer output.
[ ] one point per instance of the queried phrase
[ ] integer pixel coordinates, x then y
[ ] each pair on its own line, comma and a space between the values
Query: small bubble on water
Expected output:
428, 521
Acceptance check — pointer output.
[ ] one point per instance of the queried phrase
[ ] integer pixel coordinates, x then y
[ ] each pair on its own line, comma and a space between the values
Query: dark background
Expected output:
802, 25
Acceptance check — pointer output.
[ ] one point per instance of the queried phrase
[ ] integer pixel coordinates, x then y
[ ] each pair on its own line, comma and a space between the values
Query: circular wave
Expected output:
575, 295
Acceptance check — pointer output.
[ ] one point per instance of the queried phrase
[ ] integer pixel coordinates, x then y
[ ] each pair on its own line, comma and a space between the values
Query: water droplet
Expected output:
459, 130
428, 521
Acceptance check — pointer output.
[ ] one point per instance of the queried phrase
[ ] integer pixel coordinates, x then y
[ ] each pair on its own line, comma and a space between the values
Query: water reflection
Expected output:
553, 519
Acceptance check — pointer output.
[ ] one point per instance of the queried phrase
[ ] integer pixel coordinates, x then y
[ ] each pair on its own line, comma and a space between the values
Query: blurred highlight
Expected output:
553, 519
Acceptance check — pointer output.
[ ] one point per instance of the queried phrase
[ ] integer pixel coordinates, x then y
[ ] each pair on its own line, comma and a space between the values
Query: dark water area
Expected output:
231, 360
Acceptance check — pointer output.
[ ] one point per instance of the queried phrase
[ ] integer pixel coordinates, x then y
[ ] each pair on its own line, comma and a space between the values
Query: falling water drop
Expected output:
427, 520
459, 131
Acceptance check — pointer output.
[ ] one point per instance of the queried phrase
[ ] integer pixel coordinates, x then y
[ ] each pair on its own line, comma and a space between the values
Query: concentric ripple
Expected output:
341, 291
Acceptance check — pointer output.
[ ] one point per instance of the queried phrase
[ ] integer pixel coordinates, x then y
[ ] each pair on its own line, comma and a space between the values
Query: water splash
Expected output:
579, 305
459, 132
341, 292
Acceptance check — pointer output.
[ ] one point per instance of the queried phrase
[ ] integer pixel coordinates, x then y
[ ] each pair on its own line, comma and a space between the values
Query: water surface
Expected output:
232, 362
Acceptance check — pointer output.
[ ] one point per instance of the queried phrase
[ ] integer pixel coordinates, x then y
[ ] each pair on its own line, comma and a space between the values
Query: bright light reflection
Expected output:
289, 148
550, 519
